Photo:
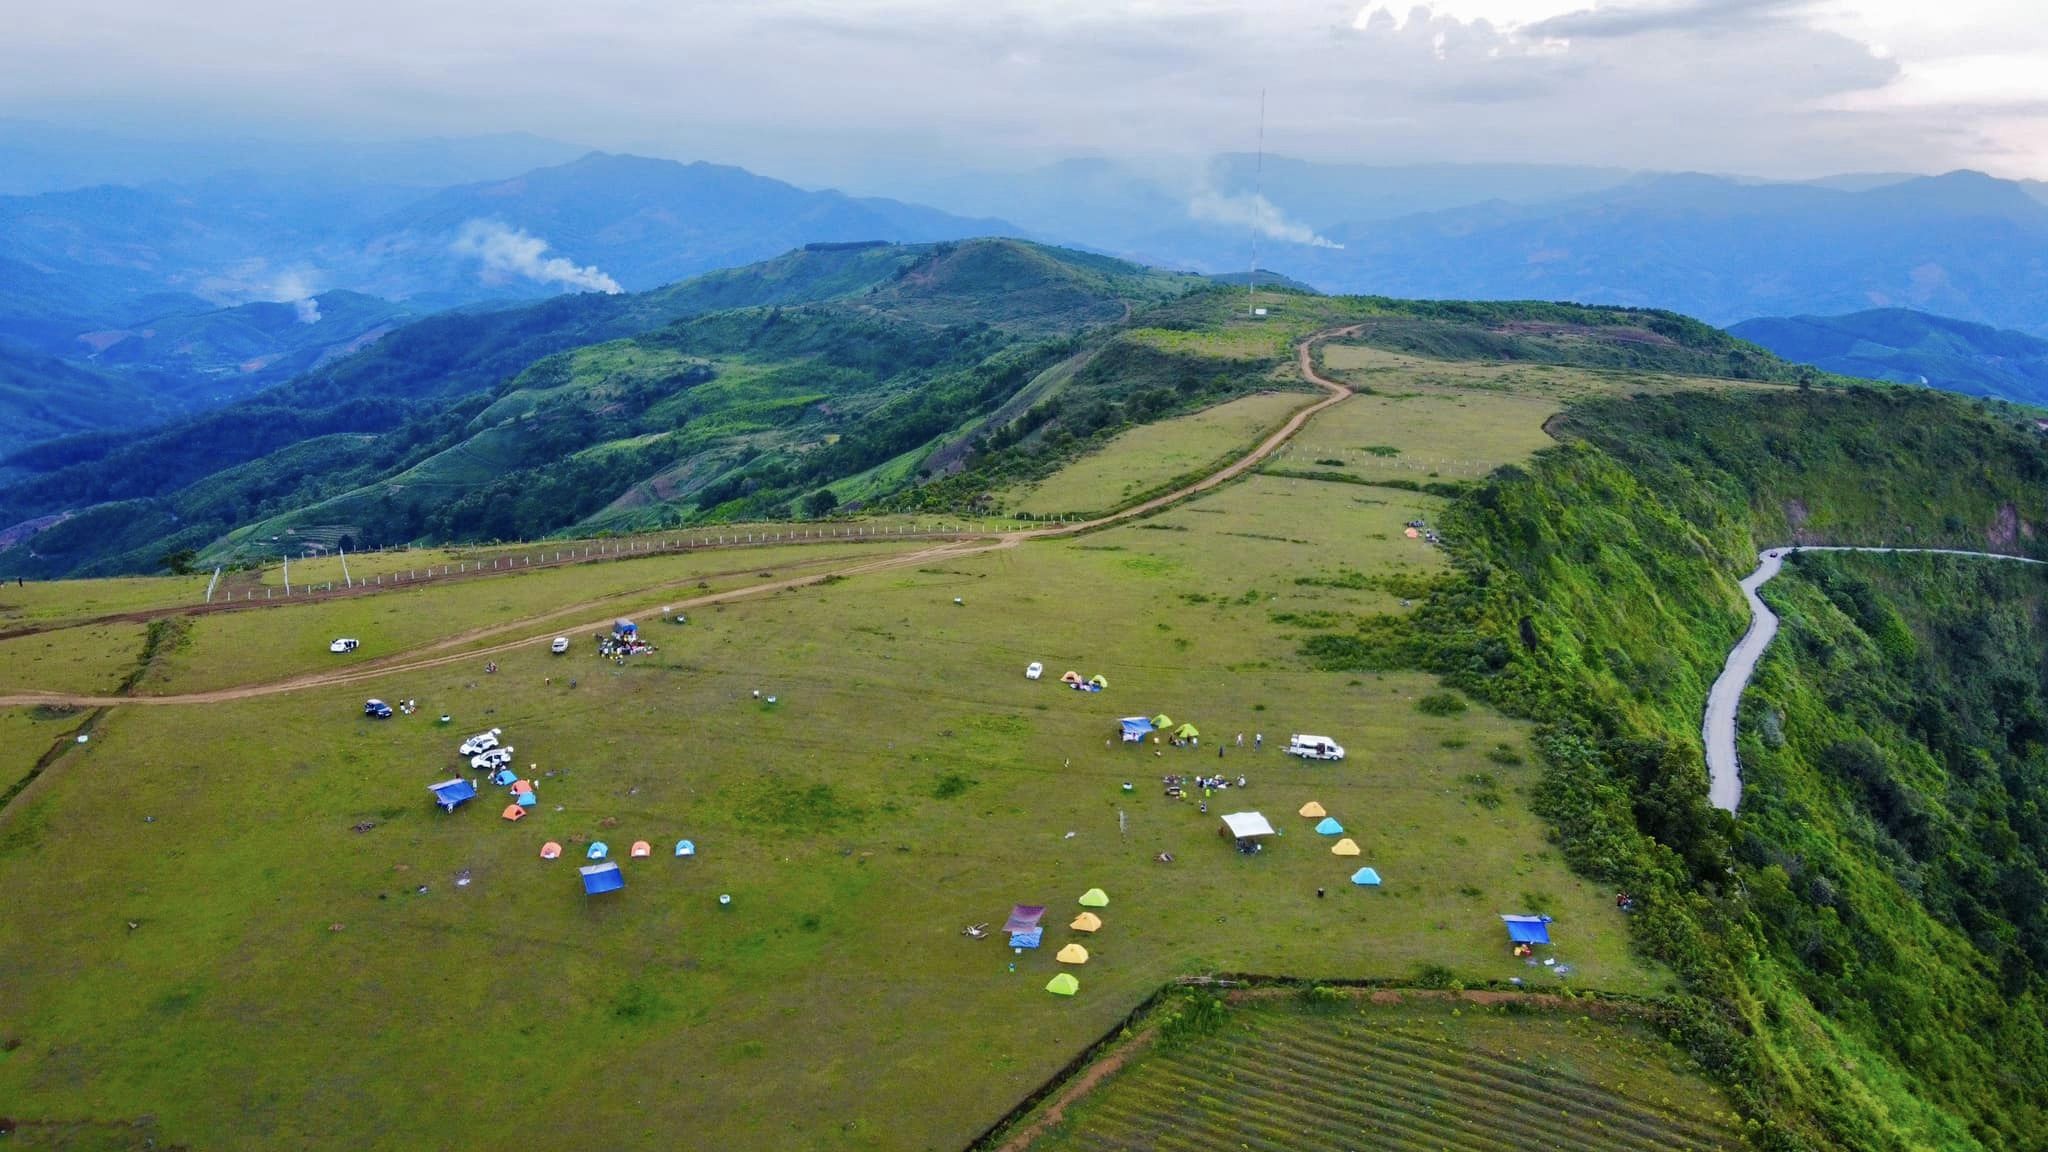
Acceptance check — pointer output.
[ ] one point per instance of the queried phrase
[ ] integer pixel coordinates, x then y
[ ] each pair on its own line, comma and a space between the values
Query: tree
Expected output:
820, 503
179, 562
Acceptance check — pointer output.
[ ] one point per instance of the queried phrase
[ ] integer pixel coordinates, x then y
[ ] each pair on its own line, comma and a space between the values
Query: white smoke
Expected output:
516, 252
1254, 212
295, 287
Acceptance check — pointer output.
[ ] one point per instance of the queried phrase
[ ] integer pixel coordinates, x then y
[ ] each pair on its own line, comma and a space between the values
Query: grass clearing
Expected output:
1145, 459
88, 658
1418, 1073
46, 602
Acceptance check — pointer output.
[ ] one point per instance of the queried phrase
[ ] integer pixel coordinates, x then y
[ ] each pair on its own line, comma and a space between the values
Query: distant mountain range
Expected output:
1908, 347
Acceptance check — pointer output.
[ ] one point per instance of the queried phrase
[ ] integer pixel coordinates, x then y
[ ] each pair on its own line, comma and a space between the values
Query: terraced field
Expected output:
1419, 1074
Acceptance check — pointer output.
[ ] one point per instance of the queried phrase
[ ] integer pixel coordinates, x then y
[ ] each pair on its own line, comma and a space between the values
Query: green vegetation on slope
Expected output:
1908, 347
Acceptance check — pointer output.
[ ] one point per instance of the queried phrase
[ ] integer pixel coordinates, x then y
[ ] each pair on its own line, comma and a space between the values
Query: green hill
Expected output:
1907, 347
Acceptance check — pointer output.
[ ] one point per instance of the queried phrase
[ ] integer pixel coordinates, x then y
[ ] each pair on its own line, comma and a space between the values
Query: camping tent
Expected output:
1328, 826
1070, 677
1367, 877
449, 793
525, 799
598, 850
1072, 954
1063, 984
1246, 825
685, 848
641, 850
1345, 847
521, 787
1162, 721
550, 851
513, 812
1136, 728
1527, 929
1312, 811
1028, 939
1095, 898
602, 878
504, 776
1187, 732
1023, 917
625, 629
1099, 681
1087, 922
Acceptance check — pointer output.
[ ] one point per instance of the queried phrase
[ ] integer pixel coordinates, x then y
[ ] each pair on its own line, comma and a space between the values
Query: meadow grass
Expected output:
27, 733
44, 602
1420, 435
85, 658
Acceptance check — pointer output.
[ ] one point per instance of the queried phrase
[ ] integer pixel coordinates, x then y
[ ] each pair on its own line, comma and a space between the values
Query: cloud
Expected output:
1254, 212
1686, 16
508, 252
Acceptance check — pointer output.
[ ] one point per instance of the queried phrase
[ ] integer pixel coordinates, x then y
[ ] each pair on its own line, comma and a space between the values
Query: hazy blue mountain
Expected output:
1904, 346
43, 397
1324, 195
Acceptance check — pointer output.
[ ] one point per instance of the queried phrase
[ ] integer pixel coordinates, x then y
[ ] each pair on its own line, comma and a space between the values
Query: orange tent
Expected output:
1413, 534
641, 848
521, 787
550, 850
514, 812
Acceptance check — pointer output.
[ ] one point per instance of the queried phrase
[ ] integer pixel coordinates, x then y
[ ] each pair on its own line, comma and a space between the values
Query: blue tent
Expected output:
1330, 827
1135, 729
526, 799
504, 776
625, 629
1367, 877
685, 848
598, 851
1528, 929
1028, 939
449, 793
602, 878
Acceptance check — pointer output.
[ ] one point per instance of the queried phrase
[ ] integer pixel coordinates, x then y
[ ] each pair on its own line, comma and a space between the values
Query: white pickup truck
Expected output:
1314, 748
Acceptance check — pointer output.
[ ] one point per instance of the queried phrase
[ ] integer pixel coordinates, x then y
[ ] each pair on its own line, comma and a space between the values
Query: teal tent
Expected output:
1330, 827
1367, 877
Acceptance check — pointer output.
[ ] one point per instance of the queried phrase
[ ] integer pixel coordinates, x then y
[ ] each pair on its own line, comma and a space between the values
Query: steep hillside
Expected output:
42, 397
1907, 347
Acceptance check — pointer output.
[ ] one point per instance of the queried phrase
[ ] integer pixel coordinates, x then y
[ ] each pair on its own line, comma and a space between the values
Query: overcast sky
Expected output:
828, 89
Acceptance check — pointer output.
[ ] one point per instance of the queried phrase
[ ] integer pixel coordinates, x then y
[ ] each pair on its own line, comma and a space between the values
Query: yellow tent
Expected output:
1072, 954
1312, 811
1087, 922
1344, 847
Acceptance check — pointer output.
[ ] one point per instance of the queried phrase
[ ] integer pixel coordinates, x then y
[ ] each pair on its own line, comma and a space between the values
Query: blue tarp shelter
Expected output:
1527, 929
1329, 826
625, 629
1367, 877
1136, 728
1027, 939
602, 878
449, 793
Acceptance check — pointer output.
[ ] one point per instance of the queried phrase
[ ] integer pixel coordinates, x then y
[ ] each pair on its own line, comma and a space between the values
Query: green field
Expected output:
87, 658
1432, 1075
40, 603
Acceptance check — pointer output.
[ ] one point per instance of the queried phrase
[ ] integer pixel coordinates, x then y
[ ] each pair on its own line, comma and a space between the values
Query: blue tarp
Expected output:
1027, 939
1330, 827
449, 793
1367, 877
602, 878
1527, 929
1135, 728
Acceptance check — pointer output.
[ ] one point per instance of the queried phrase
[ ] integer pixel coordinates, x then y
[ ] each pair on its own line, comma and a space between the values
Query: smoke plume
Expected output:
1256, 212
507, 252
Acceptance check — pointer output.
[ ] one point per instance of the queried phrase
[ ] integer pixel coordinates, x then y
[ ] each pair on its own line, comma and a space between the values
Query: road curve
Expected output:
1717, 730
375, 669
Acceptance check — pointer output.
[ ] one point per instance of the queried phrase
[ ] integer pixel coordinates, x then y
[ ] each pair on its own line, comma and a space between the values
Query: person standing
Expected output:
1258, 741
1240, 739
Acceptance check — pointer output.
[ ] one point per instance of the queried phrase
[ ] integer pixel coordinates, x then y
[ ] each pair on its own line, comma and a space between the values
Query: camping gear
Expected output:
1095, 898
449, 793
1345, 847
625, 630
1072, 954
1328, 826
1063, 984
1023, 917
1162, 721
1136, 728
602, 878
1186, 732
1312, 811
1527, 929
1246, 825
513, 812
1029, 939
598, 850
1367, 877
526, 799
550, 851
685, 848
1070, 677
522, 787
1098, 681
505, 776
1087, 922
640, 850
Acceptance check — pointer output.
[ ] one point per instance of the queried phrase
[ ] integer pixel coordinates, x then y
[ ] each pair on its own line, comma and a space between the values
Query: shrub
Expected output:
1440, 704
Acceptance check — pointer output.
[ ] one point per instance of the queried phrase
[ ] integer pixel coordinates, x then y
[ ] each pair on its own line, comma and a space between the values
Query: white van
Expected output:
560, 645
1314, 748
344, 645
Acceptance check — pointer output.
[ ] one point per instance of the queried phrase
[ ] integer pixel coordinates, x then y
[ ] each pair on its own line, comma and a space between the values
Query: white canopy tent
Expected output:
1247, 825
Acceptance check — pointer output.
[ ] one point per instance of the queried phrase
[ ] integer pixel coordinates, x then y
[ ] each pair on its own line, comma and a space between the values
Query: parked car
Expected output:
481, 742
560, 645
344, 645
377, 709
1314, 748
1034, 671
495, 758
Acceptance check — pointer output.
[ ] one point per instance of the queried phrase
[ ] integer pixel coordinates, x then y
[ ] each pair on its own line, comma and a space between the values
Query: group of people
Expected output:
616, 650
1177, 787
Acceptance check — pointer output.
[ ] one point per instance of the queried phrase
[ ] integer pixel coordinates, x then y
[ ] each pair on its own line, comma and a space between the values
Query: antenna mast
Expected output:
1251, 284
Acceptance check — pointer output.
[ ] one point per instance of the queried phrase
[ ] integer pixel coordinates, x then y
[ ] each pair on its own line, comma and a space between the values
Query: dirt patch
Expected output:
2005, 528
1588, 331
1795, 518
1076, 1088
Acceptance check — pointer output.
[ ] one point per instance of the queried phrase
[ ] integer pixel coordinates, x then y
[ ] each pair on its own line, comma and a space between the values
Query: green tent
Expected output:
1099, 681
1187, 732
1063, 984
1095, 898
1162, 721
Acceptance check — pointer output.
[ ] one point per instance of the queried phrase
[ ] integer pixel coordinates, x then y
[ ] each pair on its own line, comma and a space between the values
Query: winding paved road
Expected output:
1717, 731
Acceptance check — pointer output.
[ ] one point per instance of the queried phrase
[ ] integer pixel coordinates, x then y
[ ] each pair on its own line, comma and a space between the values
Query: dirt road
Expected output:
1724, 701
427, 657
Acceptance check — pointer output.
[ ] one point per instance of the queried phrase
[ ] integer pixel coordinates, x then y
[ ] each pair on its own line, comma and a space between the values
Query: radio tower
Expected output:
1251, 284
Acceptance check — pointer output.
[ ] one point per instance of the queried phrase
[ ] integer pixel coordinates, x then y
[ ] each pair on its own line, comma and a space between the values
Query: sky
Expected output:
841, 90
